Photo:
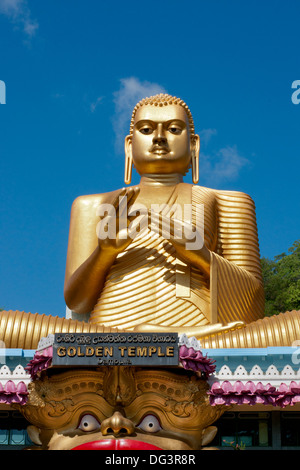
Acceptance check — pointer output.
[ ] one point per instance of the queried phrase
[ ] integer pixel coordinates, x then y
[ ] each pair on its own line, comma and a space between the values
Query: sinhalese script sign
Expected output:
115, 349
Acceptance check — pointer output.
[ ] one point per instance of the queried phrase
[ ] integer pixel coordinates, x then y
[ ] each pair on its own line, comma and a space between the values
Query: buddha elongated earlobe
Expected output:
195, 167
128, 161
128, 169
195, 160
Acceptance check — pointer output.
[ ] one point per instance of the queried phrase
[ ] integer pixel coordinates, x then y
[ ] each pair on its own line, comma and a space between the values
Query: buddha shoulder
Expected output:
237, 196
235, 200
88, 204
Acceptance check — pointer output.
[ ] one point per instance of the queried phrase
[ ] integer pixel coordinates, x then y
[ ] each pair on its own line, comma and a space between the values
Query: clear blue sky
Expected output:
73, 70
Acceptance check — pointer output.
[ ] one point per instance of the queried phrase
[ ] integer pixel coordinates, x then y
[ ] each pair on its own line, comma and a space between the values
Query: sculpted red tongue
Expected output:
116, 444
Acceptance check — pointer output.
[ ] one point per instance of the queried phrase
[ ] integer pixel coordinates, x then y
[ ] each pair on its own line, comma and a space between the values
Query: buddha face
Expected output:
161, 142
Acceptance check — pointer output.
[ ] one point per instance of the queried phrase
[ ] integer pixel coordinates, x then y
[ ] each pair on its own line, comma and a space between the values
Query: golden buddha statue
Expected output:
160, 256
153, 282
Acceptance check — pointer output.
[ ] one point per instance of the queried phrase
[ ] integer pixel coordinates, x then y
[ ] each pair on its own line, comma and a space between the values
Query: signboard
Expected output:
115, 349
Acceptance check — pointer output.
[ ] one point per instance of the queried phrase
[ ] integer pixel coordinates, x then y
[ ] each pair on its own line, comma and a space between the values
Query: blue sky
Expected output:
73, 70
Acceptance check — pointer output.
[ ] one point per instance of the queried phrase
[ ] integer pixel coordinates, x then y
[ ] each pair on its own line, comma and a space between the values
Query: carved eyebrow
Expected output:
176, 121
143, 122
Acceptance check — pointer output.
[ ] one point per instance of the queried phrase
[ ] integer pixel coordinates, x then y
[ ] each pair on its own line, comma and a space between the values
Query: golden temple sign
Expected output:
115, 349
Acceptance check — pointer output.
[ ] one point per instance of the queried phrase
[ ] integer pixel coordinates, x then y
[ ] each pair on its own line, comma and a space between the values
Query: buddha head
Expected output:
162, 138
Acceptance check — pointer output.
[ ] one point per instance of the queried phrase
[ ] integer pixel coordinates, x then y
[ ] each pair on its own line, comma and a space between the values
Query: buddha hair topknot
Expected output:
163, 99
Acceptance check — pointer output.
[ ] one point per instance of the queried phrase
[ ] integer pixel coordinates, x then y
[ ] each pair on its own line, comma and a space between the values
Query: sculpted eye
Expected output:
175, 130
146, 130
89, 423
150, 424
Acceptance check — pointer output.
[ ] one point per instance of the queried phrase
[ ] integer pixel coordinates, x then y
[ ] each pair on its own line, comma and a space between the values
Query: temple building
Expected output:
260, 386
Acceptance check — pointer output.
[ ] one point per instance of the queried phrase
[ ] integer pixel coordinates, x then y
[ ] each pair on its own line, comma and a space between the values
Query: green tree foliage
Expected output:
281, 278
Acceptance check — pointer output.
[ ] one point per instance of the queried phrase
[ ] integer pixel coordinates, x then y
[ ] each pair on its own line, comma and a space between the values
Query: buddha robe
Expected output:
149, 284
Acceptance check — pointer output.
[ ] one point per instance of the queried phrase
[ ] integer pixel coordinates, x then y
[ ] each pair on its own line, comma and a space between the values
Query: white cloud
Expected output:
206, 135
95, 104
131, 91
18, 12
222, 167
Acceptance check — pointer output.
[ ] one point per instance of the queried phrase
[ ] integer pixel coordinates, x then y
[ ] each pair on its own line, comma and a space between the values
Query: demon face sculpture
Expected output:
112, 408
